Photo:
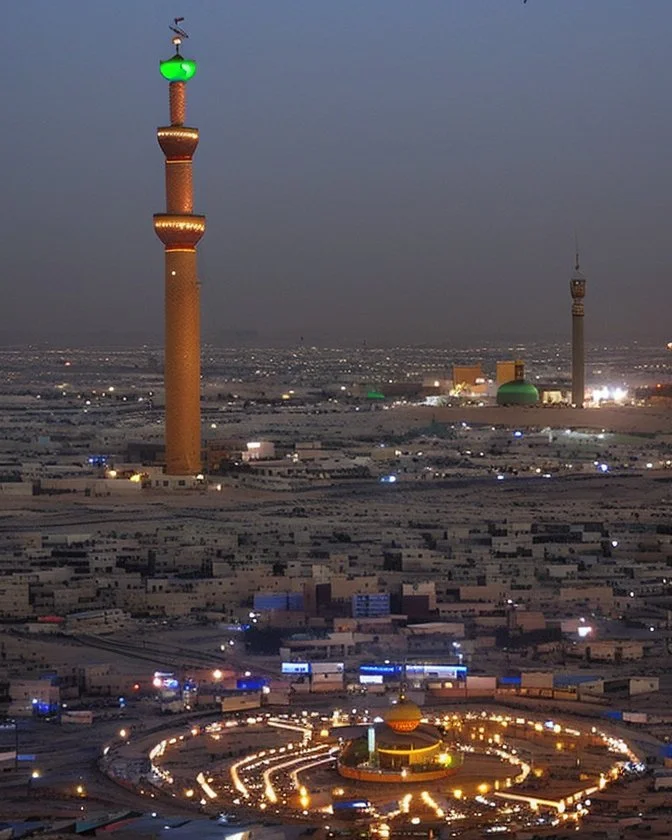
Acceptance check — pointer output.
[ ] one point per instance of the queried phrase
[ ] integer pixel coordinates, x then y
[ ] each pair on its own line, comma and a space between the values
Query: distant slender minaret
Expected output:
577, 287
403, 688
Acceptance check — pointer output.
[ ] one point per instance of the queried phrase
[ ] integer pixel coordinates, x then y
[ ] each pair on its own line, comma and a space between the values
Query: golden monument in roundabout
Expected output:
400, 749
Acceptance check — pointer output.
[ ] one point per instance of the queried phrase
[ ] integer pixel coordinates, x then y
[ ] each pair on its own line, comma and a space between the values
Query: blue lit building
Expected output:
371, 605
284, 601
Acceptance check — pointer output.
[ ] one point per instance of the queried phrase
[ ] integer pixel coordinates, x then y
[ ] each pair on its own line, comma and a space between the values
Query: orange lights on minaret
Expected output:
180, 230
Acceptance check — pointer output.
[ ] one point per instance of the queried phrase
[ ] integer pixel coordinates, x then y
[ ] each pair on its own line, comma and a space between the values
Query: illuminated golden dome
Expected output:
403, 716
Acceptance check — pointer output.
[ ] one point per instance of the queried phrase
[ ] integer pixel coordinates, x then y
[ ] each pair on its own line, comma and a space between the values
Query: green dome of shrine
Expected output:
517, 392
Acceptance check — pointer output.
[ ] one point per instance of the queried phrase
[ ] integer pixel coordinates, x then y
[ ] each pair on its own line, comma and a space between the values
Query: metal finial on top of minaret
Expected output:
577, 262
179, 33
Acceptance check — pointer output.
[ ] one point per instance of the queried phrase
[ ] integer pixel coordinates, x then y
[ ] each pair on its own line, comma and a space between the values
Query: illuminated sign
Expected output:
386, 670
295, 668
359, 804
251, 684
165, 681
442, 672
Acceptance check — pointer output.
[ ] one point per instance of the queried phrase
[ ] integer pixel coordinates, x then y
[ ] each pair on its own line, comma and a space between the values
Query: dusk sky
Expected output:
388, 170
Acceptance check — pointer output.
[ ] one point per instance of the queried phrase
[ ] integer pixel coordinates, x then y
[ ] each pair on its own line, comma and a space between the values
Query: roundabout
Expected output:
398, 748
479, 769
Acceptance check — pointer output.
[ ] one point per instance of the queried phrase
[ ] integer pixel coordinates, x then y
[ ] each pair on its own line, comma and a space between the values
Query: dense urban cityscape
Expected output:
266, 591
371, 532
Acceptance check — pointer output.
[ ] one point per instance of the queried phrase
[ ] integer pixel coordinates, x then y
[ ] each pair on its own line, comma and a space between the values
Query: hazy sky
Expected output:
389, 170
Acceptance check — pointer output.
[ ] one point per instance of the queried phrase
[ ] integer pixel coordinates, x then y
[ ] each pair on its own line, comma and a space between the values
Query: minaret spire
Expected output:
403, 688
577, 288
180, 231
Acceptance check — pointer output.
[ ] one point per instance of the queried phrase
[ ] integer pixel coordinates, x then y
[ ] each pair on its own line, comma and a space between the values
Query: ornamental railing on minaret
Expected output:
180, 229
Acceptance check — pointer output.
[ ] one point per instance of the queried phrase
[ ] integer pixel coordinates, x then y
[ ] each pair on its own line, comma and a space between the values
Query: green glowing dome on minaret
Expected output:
178, 68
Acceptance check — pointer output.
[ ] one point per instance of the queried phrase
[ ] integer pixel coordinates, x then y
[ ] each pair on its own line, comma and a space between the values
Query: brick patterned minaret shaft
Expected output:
577, 288
180, 230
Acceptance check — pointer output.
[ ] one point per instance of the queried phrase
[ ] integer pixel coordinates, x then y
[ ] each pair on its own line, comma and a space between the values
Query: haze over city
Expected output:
386, 171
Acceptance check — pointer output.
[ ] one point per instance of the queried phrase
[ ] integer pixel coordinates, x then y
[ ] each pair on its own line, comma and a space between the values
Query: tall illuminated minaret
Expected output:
180, 230
577, 287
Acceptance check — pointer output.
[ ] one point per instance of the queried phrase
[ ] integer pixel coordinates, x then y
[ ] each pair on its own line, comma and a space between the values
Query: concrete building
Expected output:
468, 376
506, 371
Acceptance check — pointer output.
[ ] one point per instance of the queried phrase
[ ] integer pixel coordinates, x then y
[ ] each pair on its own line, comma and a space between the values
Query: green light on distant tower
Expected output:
178, 69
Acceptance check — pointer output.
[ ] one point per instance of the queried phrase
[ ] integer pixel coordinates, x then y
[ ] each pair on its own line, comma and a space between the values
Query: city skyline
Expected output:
377, 169
379, 547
